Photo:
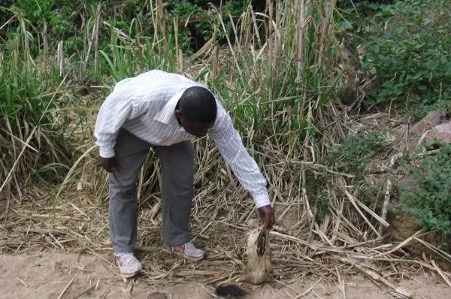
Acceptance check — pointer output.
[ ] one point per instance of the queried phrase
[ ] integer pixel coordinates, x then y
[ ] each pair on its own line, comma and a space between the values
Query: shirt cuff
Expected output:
261, 200
106, 152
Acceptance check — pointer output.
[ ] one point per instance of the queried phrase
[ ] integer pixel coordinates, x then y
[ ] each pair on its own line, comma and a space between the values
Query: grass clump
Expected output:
430, 201
32, 124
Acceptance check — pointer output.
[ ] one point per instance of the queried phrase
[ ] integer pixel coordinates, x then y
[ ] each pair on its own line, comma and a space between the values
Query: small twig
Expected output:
440, 272
377, 277
341, 283
85, 292
428, 153
438, 251
130, 285
400, 245
352, 200
67, 287
60, 217
308, 290
22, 282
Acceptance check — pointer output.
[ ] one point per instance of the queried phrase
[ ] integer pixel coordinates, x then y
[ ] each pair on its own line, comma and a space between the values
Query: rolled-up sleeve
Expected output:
231, 147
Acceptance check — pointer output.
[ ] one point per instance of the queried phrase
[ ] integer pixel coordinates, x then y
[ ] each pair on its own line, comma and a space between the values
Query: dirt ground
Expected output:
55, 274
78, 221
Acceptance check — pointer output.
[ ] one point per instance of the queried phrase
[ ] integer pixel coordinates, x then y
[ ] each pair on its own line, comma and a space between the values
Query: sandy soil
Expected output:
51, 274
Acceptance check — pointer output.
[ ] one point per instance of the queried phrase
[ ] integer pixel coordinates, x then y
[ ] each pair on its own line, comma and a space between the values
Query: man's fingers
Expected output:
267, 216
107, 164
270, 222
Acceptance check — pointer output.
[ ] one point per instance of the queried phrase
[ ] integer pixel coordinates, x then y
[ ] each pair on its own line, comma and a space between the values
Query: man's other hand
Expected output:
107, 163
267, 216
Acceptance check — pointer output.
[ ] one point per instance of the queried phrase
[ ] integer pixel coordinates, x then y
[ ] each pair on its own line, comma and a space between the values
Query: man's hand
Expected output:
107, 163
267, 216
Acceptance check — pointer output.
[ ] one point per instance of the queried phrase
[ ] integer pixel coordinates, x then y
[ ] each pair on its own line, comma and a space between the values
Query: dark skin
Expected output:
199, 130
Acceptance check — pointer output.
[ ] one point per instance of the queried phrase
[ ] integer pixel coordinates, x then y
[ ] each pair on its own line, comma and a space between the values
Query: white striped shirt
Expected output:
144, 105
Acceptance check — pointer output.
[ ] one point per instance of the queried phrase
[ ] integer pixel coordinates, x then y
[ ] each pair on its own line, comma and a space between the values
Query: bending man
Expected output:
165, 112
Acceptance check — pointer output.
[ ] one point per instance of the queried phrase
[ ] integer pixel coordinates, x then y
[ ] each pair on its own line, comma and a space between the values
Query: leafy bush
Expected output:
318, 193
411, 55
430, 201
354, 152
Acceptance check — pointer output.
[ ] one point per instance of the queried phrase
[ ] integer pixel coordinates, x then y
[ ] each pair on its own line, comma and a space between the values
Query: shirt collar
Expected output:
168, 112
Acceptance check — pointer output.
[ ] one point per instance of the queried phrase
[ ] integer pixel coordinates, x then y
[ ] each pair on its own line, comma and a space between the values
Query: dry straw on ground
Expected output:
348, 241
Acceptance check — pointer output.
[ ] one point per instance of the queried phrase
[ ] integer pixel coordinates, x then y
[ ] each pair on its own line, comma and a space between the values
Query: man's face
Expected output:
192, 127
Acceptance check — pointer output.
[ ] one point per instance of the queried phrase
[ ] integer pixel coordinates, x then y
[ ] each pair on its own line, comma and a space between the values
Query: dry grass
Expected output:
346, 242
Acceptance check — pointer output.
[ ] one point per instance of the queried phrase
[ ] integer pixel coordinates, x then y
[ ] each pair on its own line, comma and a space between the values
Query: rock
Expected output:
419, 131
408, 184
440, 133
431, 120
157, 295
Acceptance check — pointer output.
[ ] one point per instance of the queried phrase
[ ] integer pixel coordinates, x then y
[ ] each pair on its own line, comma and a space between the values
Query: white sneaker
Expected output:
187, 251
128, 265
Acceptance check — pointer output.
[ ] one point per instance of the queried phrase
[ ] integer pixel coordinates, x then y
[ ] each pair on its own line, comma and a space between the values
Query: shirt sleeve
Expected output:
117, 108
231, 147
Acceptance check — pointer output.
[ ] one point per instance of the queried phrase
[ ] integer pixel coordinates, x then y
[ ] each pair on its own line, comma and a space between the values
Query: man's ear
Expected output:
178, 116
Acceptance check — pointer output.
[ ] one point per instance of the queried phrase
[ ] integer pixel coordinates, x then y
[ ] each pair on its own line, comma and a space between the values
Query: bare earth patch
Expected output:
55, 274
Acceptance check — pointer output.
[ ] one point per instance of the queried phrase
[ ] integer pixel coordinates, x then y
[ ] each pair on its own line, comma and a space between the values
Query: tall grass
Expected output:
274, 71
31, 124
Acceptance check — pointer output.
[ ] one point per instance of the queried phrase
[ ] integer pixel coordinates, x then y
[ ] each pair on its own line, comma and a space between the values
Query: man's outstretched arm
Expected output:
243, 165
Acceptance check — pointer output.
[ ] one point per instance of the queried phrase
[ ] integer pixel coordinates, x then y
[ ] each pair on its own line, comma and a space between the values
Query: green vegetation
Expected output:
430, 201
32, 120
407, 62
407, 48
318, 190
354, 152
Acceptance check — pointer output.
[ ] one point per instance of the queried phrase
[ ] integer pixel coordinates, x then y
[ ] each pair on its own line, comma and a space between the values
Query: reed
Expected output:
31, 125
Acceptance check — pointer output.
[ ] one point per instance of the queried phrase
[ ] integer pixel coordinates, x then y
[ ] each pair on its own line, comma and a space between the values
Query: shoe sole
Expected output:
190, 258
130, 275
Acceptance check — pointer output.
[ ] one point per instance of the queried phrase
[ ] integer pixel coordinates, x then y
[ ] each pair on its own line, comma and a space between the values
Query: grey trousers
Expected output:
177, 191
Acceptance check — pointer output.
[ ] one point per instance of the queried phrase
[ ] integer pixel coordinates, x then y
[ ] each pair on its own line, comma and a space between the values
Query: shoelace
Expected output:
189, 247
126, 258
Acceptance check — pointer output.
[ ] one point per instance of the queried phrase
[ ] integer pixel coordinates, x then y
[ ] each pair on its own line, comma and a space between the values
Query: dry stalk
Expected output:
301, 9
84, 292
231, 48
67, 287
369, 211
328, 13
400, 245
438, 251
160, 27
388, 187
73, 168
377, 277
353, 201
256, 31
269, 5
93, 41
441, 273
